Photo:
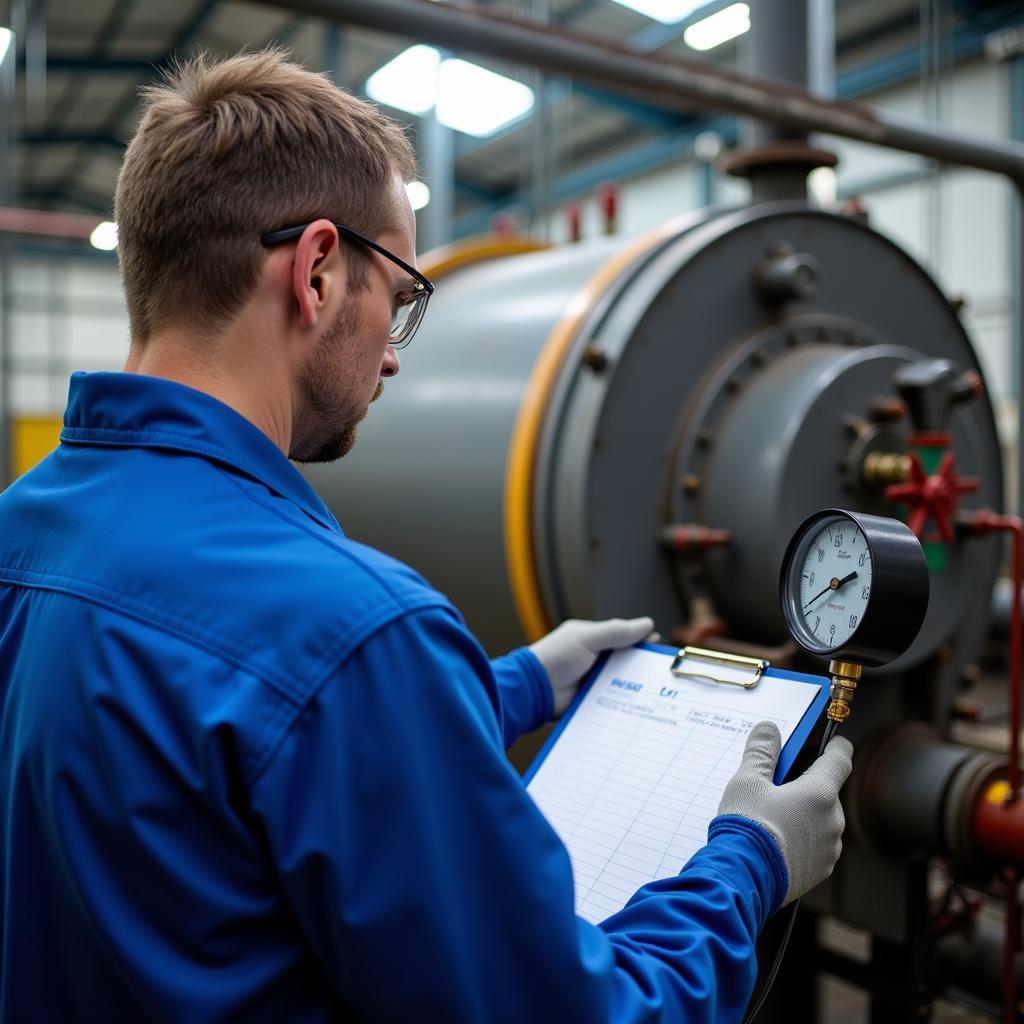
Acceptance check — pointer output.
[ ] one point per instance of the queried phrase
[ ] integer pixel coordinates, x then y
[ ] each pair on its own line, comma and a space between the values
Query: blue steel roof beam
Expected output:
477, 190
105, 37
73, 64
645, 114
902, 66
185, 37
36, 139
659, 152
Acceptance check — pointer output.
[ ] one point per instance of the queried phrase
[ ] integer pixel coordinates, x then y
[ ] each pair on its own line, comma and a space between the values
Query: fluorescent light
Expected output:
6, 37
468, 98
419, 194
718, 28
409, 82
104, 236
476, 101
666, 11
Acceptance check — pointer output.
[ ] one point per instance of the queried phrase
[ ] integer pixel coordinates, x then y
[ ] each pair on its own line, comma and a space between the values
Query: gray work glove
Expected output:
568, 652
804, 816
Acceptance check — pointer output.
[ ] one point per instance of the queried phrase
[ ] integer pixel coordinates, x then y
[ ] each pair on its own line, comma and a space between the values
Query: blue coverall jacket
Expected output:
251, 770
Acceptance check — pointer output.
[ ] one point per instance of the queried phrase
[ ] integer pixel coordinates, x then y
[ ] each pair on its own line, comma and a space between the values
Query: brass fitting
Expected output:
845, 676
881, 469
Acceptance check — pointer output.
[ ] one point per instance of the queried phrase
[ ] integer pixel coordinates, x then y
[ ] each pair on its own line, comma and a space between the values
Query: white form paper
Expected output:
637, 774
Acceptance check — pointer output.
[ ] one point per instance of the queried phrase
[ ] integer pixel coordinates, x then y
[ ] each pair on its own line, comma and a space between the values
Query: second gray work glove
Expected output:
568, 652
804, 816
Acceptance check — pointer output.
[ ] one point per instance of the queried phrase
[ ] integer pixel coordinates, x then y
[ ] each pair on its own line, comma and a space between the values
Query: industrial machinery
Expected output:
638, 428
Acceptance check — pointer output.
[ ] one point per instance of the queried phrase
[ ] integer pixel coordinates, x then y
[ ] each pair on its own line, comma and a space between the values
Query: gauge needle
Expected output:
835, 584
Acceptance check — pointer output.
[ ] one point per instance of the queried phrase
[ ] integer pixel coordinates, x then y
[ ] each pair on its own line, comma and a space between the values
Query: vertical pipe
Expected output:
35, 61
821, 48
776, 47
437, 157
1015, 71
334, 54
540, 132
7, 87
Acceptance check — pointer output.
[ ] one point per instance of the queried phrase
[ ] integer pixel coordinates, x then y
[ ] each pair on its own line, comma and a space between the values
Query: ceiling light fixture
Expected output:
467, 97
476, 101
718, 28
104, 236
419, 194
409, 82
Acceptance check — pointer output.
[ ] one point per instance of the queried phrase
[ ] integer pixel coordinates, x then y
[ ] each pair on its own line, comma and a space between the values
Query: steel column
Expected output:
437, 147
8, 81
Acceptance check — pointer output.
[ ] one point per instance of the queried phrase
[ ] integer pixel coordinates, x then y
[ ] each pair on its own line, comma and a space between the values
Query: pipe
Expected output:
672, 83
982, 522
776, 47
46, 222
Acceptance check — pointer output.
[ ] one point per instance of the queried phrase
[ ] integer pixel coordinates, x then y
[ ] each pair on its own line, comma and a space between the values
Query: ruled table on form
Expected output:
638, 772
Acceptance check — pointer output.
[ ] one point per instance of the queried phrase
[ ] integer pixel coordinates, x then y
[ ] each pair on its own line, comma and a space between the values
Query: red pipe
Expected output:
983, 523
608, 201
46, 222
575, 217
997, 827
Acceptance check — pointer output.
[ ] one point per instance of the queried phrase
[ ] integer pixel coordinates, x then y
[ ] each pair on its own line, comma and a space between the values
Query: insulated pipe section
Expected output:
911, 793
671, 84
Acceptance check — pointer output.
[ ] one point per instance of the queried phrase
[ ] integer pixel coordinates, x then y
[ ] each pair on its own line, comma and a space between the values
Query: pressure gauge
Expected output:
854, 587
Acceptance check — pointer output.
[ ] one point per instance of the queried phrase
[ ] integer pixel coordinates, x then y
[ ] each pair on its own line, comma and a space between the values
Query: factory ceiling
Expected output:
82, 65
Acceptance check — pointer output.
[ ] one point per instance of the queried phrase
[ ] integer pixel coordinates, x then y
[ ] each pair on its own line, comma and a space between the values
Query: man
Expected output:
249, 769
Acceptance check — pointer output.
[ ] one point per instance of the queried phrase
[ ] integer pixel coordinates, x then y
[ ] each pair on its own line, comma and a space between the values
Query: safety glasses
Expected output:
409, 312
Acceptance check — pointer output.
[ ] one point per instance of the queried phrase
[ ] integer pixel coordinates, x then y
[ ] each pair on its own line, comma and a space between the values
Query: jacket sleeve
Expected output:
524, 693
430, 886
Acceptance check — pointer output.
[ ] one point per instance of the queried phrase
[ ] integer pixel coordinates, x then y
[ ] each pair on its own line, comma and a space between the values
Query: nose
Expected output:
390, 364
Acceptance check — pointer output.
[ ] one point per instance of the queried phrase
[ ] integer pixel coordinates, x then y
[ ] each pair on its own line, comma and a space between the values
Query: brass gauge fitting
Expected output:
845, 676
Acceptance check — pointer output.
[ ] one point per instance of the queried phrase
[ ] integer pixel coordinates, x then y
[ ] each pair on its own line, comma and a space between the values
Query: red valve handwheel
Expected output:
932, 497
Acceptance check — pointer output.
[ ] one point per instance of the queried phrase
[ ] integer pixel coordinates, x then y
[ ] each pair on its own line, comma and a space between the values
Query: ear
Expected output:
317, 270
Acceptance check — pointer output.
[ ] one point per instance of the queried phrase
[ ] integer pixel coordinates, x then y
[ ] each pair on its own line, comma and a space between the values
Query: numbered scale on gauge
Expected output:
836, 582
854, 589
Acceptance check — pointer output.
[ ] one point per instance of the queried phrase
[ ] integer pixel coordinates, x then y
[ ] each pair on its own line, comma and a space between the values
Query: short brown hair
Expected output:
226, 151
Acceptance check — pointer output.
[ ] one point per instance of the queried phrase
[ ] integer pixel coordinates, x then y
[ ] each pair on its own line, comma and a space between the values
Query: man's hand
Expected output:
569, 651
804, 816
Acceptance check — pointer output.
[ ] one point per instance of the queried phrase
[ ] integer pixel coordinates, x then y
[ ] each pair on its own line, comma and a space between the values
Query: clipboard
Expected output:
633, 773
791, 749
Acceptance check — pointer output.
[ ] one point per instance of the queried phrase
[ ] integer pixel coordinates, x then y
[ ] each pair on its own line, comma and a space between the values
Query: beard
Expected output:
323, 432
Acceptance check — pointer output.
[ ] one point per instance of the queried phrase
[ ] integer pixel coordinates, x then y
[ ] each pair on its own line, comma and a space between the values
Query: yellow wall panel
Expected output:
33, 438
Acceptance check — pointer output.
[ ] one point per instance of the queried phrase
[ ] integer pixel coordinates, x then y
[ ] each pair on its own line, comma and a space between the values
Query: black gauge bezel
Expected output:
899, 589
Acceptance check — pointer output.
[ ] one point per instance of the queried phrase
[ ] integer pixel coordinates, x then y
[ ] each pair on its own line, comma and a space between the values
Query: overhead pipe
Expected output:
671, 83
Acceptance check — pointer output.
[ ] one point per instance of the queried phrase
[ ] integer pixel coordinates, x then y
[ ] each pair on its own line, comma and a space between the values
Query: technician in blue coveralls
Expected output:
250, 769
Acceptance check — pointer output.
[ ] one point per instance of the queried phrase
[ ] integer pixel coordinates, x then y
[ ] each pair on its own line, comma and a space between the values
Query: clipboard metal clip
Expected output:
751, 668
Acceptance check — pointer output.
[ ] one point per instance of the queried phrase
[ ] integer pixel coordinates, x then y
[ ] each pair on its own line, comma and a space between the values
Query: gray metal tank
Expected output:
561, 408
627, 428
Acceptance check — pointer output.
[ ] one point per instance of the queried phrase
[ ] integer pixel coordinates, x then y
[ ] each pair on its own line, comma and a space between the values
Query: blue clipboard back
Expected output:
790, 751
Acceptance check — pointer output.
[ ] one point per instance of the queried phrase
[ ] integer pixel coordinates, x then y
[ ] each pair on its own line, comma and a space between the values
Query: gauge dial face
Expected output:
830, 584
